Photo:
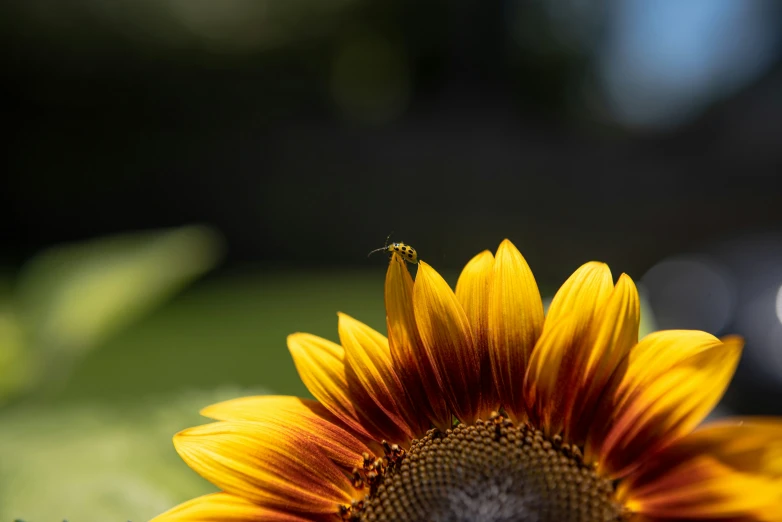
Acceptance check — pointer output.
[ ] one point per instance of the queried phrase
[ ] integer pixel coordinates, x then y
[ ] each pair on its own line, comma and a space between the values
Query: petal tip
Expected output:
298, 340
183, 441
732, 340
625, 279
207, 411
396, 258
596, 268
506, 245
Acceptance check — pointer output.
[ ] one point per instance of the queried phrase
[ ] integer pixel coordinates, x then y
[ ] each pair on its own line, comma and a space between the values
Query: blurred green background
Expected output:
186, 182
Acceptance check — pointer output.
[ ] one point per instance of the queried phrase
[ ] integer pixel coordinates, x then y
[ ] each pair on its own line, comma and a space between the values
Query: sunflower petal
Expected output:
557, 357
582, 295
543, 392
447, 338
407, 349
222, 507
325, 372
472, 291
321, 366
612, 334
515, 323
729, 469
292, 416
261, 464
669, 383
377, 386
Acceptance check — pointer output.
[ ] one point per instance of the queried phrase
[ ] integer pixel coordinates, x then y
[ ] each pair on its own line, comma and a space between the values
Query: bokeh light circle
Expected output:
691, 292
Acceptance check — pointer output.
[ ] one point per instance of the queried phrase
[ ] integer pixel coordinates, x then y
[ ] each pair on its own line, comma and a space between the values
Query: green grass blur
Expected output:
230, 330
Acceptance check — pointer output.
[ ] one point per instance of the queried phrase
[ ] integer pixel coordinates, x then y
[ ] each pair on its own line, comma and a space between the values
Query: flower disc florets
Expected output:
491, 471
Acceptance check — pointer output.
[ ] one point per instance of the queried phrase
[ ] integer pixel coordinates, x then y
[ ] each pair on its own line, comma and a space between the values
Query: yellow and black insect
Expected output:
407, 252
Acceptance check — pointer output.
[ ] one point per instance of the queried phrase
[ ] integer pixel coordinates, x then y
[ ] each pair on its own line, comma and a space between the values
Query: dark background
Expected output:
454, 124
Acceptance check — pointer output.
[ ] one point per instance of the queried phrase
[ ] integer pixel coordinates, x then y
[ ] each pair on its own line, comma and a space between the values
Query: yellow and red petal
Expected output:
730, 469
370, 370
407, 350
472, 291
613, 332
292, 417
447, 338
261, 464
515, 324
559, 355
582, 295
544, 395
665, 387
222, 507
323, 367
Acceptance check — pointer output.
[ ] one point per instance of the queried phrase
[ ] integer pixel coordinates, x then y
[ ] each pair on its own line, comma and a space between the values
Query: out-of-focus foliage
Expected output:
95, 462
70, 299
16, 370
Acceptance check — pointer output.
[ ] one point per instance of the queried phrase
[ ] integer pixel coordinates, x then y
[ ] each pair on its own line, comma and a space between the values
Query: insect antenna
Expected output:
385, 246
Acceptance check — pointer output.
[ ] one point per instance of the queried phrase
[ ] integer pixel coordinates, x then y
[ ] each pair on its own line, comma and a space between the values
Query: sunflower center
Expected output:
492, 471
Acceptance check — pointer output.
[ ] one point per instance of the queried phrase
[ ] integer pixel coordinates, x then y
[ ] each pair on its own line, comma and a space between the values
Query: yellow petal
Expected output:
582, 295
557, 358
371, 374
665, 387
729, 469
472, 291
222, 507
614, 331
325, 372
294, 416
515, 323
321, 366
265, 466
445, 333
407, 349
543, 392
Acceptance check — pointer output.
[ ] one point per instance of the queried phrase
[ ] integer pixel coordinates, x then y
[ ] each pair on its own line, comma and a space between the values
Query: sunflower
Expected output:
478, 407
